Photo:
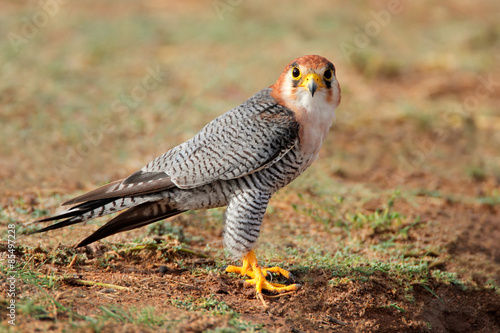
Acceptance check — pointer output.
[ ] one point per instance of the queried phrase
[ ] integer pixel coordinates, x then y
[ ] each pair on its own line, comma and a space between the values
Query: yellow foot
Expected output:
258, 275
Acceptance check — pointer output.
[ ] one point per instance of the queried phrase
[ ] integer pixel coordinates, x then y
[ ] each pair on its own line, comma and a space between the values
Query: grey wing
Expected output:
242, 141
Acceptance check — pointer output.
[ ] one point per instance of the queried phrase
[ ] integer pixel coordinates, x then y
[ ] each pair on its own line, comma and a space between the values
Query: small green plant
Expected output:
147, 316
492, 284
380, 220
237, 325
210, 305
33, 308
166, 228
477, 173
396, 306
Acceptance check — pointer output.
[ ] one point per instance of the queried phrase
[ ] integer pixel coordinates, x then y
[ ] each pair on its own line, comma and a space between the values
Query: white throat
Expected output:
315, 116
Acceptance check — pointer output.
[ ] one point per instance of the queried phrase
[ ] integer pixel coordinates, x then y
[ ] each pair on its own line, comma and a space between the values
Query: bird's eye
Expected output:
328, 74
296, 73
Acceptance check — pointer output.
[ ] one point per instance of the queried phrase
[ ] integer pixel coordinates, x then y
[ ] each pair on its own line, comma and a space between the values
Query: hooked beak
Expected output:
312, 82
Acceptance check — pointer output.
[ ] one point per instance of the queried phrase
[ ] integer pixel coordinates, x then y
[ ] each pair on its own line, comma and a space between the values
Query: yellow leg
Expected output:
258, 275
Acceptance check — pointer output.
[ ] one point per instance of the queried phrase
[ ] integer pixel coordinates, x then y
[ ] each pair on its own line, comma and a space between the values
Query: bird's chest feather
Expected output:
315, 122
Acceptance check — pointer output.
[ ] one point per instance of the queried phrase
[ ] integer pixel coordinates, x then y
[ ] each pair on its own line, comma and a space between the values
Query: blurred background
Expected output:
93, 90
395, 226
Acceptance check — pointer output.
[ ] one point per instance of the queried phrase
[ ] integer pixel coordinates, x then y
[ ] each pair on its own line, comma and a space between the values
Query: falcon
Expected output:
238, 160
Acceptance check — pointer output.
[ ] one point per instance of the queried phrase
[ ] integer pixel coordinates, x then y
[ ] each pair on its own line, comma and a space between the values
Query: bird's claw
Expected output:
258, 276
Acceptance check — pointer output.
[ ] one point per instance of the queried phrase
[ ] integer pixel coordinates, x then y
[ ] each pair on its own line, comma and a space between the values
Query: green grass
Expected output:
400, 264
146, 316
210, 305
215, 307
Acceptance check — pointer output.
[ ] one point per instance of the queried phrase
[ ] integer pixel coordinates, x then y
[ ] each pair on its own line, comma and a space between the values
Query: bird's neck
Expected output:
314, 114
315, 117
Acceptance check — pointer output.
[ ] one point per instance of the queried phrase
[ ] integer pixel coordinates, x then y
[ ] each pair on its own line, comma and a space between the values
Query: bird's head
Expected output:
307, 83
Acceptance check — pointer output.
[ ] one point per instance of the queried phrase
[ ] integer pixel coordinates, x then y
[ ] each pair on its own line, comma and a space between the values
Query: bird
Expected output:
239, 160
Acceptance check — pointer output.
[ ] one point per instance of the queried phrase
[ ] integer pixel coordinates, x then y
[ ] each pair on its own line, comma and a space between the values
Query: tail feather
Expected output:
87, 211
65, 223
77, 210
135, 193
138, 183
133, 218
